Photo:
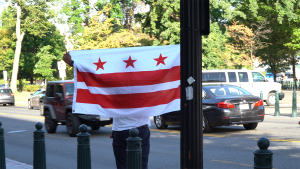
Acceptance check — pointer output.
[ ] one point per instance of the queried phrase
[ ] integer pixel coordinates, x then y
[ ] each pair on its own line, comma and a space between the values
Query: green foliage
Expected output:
213, 48
44, 65
31, 88
6, 50
102, 34
162, 21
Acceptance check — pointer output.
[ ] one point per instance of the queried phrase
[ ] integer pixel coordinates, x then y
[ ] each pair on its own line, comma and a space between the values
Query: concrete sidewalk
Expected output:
11, 164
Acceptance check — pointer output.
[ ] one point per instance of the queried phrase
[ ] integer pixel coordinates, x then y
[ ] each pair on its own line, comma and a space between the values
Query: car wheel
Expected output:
250, 126
205, 126
73, 124
4, 104
160, 122
29, 105
41, 109
95, 127
271, 99
50, 125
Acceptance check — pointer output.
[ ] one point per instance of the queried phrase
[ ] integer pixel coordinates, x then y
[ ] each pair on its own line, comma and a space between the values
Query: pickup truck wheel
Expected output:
160, 122
250, 126
50, 125
95, 127
41, 109
73, 124
29, 105
271, 99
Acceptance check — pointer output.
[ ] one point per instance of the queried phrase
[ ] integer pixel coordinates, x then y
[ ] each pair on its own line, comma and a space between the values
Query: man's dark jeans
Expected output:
120, 146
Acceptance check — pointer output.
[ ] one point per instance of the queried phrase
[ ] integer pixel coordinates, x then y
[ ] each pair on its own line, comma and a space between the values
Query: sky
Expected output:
3, 4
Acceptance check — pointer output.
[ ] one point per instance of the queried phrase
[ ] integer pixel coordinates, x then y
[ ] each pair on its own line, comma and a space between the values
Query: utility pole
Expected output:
194, 22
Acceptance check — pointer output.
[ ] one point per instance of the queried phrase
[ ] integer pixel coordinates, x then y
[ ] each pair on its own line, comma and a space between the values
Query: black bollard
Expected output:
39, 151
83, 148
2, 148
134, 150
263, 158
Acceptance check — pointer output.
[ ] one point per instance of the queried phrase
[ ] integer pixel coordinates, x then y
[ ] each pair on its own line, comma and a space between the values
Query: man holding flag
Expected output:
129, 85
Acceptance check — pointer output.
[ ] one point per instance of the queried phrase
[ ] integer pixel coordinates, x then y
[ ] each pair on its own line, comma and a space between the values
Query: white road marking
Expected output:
18, 131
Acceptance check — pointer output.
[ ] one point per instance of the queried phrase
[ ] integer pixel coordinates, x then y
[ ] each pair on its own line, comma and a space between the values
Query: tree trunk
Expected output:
18, 50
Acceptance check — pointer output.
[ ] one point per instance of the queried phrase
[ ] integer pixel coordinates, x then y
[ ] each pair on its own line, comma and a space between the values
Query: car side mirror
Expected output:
60, 96
31, 94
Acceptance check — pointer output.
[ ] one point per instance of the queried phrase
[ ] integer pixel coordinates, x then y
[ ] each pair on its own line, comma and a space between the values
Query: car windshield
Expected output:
223, 91
69, 89
5, 91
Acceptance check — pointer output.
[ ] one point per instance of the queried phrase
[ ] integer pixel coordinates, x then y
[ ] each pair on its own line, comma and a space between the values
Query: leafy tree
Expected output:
279, 14
31, 16
162, 21
6, 51
239, 45
213, 48
102, 34
44, 65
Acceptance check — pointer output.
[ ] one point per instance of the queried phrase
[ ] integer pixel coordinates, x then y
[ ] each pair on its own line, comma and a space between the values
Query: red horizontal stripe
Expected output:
129, 78
124, 101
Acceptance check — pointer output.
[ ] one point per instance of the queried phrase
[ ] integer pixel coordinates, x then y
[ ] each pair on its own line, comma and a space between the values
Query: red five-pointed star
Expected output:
160, 60
129, 62
99, 64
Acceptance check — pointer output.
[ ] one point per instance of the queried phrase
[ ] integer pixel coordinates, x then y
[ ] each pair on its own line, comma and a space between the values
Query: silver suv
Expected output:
6, 96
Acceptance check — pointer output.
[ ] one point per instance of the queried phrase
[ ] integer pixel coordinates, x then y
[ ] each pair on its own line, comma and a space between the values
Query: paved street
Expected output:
226, 147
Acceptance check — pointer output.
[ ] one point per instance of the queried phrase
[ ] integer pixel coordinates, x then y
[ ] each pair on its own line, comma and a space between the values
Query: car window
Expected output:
38, 92
5, 91
243, 76
59, 89
50, 90
69, 89
213, 77
227, 91
257, 77
232, 77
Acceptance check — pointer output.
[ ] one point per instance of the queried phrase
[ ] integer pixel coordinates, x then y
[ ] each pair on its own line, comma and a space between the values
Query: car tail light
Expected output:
0, 94
12, 94
262, 115
225, 105
258, 103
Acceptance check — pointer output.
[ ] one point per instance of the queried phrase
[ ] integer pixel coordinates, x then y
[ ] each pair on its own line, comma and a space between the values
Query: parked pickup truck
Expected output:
58, 109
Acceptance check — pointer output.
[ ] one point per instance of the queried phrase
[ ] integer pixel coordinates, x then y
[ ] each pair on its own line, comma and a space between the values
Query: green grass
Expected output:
22, 96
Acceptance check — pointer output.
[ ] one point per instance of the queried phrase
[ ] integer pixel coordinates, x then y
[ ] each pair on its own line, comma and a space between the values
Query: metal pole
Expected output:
194, 22
294, 107
277, 112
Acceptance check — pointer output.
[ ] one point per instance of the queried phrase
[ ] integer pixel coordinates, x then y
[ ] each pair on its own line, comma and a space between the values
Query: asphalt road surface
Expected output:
226, 147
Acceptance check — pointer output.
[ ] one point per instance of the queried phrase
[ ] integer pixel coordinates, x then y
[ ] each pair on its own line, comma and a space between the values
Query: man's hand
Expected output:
67, 58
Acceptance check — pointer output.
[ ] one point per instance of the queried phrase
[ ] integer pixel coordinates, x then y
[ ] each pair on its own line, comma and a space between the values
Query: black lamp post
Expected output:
194, 22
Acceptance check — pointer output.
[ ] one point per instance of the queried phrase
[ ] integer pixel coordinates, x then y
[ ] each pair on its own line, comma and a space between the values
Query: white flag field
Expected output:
127, 82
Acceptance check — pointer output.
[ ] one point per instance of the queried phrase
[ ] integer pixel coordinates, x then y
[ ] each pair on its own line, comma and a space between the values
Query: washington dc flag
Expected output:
120, 82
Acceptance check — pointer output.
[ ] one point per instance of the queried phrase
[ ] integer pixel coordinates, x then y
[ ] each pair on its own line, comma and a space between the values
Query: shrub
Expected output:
32, 88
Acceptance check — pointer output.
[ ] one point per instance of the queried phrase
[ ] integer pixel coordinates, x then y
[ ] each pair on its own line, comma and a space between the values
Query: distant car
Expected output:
6, 96
223, 105
34, 99
5, 85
